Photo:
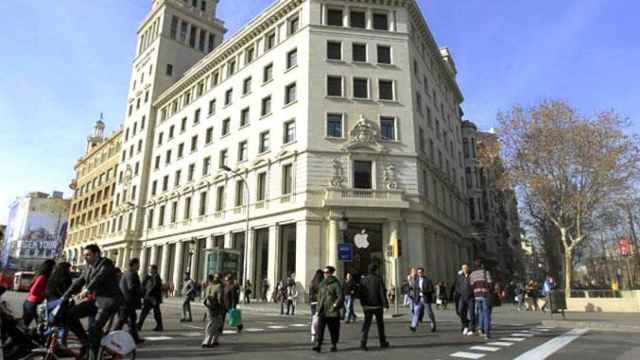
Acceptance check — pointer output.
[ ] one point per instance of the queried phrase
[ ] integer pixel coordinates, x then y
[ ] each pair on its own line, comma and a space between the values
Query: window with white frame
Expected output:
334, 17
386, 90
388, 128
292, 58
287, 179
380, 21
267, 73
335, 86
334, 125
244, 117
361, 88
334, 50
384, 54
242, 150
266, 106
359, 52
290, 93
265, 142
246, 86
357, 19
289, 132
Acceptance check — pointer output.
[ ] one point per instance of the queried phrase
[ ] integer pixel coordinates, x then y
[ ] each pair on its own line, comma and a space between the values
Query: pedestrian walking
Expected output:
350, 290
464, 300
441, 296
314, 289
482, 285
532, 296
548, 285
292, 297
188, 294
131, 289
373, 300
213, 301
282, 295
36, 292
230, 298
265, 290
519, 298
422, 299
247, 292
152, 286
330, 302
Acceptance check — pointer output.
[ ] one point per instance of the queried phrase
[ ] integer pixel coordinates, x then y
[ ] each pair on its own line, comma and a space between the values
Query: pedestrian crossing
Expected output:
190, 334
480, 351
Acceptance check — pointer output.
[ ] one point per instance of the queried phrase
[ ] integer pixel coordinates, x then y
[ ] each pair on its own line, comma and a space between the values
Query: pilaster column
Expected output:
143, 261
119, 257
274, 257
394, 235
332, 244
126, 253
178, 268
153, 256
164, 266
193, 269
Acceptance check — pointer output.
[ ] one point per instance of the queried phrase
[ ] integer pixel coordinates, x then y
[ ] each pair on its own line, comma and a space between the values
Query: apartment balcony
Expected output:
367, 198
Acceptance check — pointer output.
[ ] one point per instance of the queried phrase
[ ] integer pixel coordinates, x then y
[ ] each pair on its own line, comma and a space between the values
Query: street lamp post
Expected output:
245, 270
191, 252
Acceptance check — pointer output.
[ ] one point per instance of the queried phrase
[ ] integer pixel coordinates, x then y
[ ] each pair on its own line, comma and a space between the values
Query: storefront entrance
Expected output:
367, 248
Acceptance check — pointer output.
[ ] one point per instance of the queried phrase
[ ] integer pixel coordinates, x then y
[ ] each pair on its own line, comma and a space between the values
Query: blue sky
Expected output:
65, 62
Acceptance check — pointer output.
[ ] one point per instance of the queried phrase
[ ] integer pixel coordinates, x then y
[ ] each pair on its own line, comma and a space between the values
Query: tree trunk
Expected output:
568, 272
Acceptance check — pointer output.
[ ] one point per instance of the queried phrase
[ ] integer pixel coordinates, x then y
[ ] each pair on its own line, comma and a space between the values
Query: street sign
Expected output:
345, 252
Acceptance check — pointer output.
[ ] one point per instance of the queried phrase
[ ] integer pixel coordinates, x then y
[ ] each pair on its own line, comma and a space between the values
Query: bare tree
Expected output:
568, 164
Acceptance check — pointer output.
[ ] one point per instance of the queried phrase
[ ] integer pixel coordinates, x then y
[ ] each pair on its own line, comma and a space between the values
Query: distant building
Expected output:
35, 230
93, 185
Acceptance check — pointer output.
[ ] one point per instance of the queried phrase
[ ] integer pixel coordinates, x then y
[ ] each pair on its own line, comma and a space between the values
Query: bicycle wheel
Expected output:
40, 356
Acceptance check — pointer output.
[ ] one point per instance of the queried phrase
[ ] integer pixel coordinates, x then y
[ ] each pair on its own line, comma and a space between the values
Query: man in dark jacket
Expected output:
100, 287
464, 300
152, 286
373, 299
131, 289
422, 299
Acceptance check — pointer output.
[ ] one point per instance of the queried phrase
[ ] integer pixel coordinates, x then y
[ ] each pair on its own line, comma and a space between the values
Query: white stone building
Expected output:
329, 109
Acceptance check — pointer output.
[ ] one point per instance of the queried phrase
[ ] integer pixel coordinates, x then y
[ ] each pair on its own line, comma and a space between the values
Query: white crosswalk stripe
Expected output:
522, 334
157, 338
513, 339
467, 355
299, 325
500, 343
276, 327
253, 330
485, 348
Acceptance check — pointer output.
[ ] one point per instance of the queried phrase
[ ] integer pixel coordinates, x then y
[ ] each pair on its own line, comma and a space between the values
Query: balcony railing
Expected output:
365, 198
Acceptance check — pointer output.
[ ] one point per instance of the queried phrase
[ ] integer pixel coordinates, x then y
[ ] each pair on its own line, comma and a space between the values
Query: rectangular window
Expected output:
215, 78
196, 116
183, 31
270, 41
294, 25
357, 19
267, 73
173, 33
242, 151
248, 55
180, 150
171, 131
361, 88
380, 22
266, 106
192, 36
206, 166
160, 137
169, 72
212, 107
289, 132
292, 58
176, 180
187, 207
385, 90
334, 17
421, 139
362, 178
194, 143
244, 117
228, 95
150, 219
226, 124
157, 164
246, 86
208, 136
290, 93
334, 50
264, 142
220, 198
334, 125
211, 42
261, 191
154, 187
239, 193
161, 216
224, 156
359, 52
387, 128
384, 54
183, 124
165, 183
202, 208
287, 179
334, 86
167, 159
191, 173
231, 68
202, 40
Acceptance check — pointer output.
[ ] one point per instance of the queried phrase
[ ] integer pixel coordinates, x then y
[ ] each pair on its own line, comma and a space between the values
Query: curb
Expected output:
592, 325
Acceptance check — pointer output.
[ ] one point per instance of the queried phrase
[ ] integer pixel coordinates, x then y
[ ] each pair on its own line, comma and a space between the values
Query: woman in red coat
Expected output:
37, 292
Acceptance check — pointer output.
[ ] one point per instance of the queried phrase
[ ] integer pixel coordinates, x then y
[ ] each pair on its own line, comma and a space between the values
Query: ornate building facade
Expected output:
317, 121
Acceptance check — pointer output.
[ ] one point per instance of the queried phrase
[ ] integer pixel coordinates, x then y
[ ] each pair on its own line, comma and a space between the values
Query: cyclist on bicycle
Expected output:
101, 295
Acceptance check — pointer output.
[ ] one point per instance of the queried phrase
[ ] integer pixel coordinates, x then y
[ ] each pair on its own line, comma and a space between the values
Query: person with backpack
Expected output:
188, 293
214, 303
482, 285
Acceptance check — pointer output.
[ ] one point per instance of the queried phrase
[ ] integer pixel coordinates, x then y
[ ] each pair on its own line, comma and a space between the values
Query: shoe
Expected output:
433, 328
363, 347
412, 328
385, 345
487, 337
316, 349
334, 348
465, 331
240, 327
469, 333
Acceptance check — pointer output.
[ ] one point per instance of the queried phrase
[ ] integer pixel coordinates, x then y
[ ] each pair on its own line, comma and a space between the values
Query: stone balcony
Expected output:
365, 198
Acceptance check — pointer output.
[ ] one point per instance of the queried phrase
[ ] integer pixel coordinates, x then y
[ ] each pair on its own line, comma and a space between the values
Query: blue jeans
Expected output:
483, 314
348, 306
418, 313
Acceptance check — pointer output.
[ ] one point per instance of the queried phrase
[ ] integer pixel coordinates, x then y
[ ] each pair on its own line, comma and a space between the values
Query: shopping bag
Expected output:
315, 324
235, 318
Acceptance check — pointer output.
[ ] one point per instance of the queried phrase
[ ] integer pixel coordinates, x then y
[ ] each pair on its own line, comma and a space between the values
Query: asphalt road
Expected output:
271, 336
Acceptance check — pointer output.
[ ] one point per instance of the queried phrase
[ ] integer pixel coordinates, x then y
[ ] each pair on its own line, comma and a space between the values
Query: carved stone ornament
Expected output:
128, 175
364, 132
338, 178
389, 176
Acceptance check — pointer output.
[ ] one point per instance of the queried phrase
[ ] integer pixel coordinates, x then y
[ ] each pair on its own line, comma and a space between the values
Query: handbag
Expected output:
315, 325
235, 317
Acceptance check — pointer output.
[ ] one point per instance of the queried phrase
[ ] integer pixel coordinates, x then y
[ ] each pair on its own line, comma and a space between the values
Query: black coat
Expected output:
131, 289
462, 288
372, 293
101, 279
152, 286
426, 290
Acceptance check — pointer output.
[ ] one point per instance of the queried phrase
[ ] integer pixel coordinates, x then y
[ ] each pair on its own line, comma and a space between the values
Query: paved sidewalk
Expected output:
618, 322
